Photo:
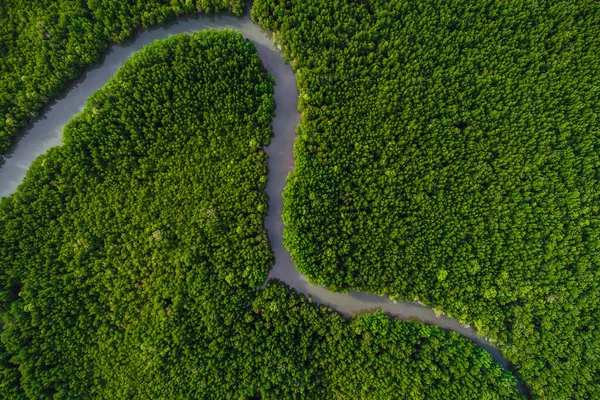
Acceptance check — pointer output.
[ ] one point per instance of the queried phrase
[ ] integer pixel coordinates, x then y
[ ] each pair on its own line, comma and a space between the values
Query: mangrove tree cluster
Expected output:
46, 43
131, 256
448, 153
128, 254
297, 349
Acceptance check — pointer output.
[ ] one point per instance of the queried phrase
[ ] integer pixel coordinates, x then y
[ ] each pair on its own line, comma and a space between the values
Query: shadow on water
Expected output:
45, 131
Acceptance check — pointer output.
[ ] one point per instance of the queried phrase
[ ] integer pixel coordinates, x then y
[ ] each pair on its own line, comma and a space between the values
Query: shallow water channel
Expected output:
46, 132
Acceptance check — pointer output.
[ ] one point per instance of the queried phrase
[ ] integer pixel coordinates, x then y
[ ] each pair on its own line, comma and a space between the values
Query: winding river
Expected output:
46, 132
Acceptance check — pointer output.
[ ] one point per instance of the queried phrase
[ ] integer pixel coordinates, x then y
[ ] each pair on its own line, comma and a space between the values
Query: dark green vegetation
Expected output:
298, 348
45, 43
129, 252
449, 153
130, 258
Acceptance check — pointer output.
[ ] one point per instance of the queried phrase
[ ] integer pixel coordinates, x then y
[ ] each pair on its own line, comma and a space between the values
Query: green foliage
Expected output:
300, 350
46, 43
129, 252
131, 256
9, 377
448, 153
120, 18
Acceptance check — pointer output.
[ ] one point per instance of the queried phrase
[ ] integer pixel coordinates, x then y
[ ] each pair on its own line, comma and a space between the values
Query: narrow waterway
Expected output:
46, 132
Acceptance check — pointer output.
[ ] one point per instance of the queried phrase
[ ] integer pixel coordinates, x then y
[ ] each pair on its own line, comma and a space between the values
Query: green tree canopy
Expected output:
129, 252
44, 44
131, 256
449, 153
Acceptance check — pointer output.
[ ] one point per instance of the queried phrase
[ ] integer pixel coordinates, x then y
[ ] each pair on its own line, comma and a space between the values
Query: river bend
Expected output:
46, 132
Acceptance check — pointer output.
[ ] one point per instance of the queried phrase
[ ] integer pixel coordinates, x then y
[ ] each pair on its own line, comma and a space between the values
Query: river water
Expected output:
46, 132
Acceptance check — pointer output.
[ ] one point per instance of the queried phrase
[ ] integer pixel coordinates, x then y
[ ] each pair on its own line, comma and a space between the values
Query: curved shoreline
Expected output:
46, 132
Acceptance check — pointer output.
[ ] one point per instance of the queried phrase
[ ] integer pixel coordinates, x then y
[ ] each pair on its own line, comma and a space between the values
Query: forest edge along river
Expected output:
46, 132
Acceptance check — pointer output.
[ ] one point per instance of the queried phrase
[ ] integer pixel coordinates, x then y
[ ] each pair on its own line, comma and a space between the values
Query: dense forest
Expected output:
131, 258
46, 43
300, 350
129, 252
448, 153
